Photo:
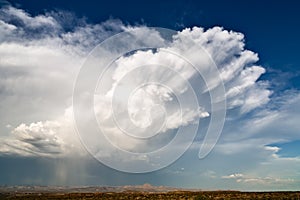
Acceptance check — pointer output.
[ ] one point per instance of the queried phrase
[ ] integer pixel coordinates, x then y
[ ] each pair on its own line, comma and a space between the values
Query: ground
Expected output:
155, 195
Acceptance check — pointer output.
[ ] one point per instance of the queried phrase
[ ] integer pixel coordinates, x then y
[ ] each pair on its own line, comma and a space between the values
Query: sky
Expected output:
92, 94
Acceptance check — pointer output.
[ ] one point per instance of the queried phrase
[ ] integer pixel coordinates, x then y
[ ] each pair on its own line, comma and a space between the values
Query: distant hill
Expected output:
86, 189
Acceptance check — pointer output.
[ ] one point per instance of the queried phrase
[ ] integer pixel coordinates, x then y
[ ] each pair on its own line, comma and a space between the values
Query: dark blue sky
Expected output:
272, 29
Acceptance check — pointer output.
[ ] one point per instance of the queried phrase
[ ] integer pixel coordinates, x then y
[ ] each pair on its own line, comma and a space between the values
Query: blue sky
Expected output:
43, 46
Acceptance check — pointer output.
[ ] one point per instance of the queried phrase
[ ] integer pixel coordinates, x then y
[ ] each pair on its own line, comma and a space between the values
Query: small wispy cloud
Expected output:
241, 178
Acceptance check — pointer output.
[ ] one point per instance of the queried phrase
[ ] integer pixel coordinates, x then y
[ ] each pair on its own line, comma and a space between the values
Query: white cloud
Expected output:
243, 91
37, 138
6, 30
40, 64
38, 67
40, 72
237, 66
33, 22
233, 176
47, 138
241, 178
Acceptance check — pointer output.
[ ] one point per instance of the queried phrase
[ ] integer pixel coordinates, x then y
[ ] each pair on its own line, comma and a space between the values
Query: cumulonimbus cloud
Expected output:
41, 59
